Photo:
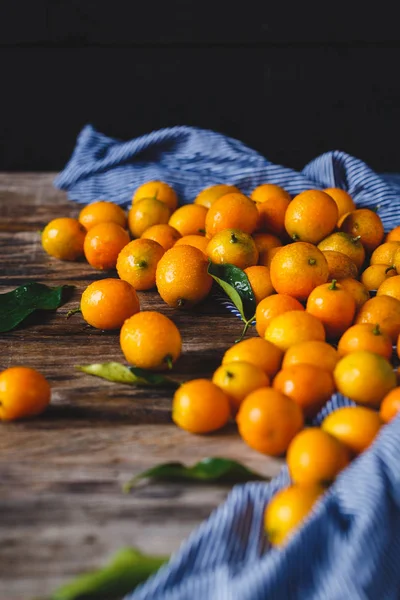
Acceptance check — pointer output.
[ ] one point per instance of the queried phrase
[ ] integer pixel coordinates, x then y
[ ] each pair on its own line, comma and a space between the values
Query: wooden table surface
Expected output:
62, 510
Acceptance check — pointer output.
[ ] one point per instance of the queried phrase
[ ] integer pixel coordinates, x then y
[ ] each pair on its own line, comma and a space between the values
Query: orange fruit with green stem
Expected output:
232, 211
354, 426
260, 282
164, 234
312, 352
390, 406
268, 421
145, 213
365, 336
64, 238
209, 195
293, 327
333, 306
106, 304
272, 306
182, 277
315, 456
296, 269
384, 311
189, 219
256, 351
311, 216
288, 509
159, 190
308, 385
374, 275
364, 377
102, 211
137, 263
347, 244
103, 243
238, 379
150, 340
344, 201
366, 224
200, 406
24, 392
234, 247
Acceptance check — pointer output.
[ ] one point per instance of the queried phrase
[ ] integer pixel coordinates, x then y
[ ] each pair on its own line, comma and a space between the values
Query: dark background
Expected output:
290, 82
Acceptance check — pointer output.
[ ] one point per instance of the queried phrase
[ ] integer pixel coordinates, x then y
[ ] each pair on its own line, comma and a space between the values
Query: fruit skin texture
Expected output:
390, 406
340, 265
268, 421
189, 219
271, 307
137, 263
308, 385
209, 195
321, 354
357, 290
272, 215
384, 310
365, 336
367, 224
333, 306
364, 377
103, 243
268, 191
354, 426
200, 406
296, 269
64, 238
293, 327
145, 214
159, 190
181, 277
162, 233
344, 201
107, 303
150, 340
314, 456
374, 275
238, 379
198, 241
233, 246
384, 254
287, 509
256, 351
232, 211
24, 392
102, 212
311, 216
260, 282
346, 244
390, 287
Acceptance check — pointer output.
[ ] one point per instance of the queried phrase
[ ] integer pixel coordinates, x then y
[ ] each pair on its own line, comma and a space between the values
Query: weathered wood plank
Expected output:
62, 509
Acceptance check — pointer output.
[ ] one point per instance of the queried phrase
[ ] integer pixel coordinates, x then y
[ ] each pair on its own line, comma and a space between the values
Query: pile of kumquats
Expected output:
326, 280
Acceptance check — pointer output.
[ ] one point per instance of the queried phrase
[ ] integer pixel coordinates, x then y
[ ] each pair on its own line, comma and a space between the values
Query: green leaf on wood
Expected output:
118, 373
15, 306
125, 571
216, 469
236, 285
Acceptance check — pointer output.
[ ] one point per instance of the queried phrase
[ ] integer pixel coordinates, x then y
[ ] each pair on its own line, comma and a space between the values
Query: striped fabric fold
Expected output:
349, 546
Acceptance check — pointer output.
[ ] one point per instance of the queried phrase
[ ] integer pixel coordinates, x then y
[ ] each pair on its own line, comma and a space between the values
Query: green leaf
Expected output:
15, 306
118, 373
126, 570
214, 469
236, 285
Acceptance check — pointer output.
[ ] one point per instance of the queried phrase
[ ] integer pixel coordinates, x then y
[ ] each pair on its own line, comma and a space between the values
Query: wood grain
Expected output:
62, 510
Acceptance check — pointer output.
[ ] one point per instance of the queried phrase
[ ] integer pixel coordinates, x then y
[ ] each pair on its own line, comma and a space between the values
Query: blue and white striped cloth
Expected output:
349, 546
